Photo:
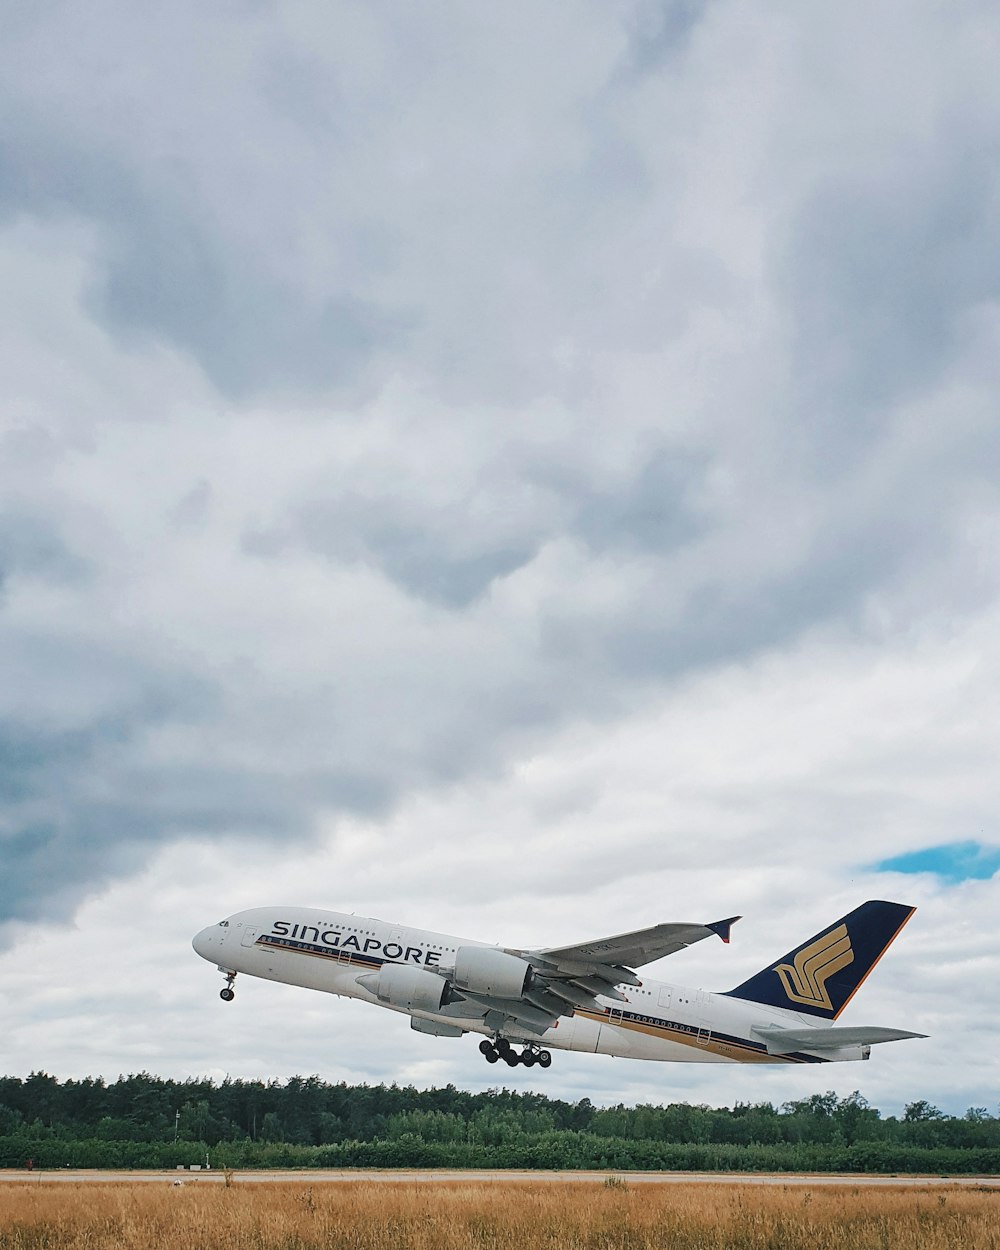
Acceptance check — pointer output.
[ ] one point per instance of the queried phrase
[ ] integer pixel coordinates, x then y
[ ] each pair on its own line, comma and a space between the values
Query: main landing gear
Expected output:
228, 994
502, 1049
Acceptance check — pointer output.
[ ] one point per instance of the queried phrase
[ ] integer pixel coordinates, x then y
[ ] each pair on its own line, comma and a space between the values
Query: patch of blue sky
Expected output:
955, 862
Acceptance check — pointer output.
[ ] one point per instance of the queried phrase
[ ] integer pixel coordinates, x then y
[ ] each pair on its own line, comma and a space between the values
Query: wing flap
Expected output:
574, 995
533, 1012
510, 1024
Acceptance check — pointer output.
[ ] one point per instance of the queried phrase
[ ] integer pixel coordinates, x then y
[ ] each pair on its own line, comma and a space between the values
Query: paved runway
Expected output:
431, 1177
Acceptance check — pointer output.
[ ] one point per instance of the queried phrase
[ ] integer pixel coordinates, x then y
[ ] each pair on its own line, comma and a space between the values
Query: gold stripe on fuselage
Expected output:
729, 1048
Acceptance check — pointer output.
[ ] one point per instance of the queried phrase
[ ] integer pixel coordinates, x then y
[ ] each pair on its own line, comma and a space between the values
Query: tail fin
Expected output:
821, 976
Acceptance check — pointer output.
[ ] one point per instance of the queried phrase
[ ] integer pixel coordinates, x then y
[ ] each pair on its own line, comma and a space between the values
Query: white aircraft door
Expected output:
666, 994
704, 1028
249, 937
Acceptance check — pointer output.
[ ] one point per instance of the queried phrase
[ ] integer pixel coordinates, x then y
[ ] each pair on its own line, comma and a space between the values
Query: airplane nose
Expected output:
206, 942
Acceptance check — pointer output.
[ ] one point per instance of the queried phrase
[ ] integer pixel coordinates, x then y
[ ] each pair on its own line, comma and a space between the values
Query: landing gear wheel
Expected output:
227, 995
485, 1046
491, 1055
529, 1058
544, 1058
503, 1046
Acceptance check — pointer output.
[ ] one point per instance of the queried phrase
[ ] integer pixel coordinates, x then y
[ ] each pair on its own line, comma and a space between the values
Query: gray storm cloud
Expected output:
384, 400
886, 275
166, 271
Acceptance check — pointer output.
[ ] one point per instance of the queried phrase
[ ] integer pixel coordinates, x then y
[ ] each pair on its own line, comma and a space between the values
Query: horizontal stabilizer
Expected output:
784, 1041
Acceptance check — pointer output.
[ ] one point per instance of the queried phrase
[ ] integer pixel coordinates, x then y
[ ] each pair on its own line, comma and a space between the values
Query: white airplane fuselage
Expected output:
655, 1020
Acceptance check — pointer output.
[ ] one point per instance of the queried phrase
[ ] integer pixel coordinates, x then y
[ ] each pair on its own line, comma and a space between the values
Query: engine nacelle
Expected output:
486, 970
412, 989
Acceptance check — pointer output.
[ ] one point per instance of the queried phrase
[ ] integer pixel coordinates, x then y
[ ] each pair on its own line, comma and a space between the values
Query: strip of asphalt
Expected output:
433, 1177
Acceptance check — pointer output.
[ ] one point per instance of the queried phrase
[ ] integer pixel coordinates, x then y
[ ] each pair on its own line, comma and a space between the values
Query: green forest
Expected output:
144, 1121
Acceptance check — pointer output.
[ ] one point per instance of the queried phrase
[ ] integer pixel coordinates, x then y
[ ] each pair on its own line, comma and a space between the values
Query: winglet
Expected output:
723, 927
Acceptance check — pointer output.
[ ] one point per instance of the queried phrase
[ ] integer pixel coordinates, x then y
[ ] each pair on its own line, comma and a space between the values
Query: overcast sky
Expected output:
527, 471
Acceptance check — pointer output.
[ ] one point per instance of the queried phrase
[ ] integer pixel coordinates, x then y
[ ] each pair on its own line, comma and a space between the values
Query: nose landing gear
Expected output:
228, 994
502, 1049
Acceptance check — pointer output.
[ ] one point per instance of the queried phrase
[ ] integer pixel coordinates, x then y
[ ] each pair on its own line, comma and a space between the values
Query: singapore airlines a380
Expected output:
585, 997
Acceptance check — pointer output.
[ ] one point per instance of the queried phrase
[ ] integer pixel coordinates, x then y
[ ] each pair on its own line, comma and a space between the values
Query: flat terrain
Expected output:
500, 1213
430, 1176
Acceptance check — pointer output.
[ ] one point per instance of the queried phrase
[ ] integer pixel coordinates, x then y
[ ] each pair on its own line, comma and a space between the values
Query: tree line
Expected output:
147, 1121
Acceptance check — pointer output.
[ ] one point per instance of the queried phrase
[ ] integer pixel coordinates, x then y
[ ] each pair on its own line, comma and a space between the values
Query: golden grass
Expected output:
477, 1216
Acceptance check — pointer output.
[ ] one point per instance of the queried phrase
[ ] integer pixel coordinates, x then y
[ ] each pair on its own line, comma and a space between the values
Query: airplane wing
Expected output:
632, 950
567, 977
784, 1041
563, 978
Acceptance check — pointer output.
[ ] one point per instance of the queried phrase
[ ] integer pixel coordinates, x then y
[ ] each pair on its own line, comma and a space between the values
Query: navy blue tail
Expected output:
821, 976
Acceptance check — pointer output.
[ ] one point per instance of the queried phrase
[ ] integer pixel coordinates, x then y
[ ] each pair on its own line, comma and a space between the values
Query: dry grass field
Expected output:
518, 1216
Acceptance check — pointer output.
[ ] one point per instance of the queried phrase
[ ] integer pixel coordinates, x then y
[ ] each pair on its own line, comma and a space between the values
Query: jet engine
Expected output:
486, 970
412, 989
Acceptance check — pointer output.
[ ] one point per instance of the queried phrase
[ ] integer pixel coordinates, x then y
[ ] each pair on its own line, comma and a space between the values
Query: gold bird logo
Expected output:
805, 979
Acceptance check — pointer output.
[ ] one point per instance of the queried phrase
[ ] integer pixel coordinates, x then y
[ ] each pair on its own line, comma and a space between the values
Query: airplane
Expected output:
585, 997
